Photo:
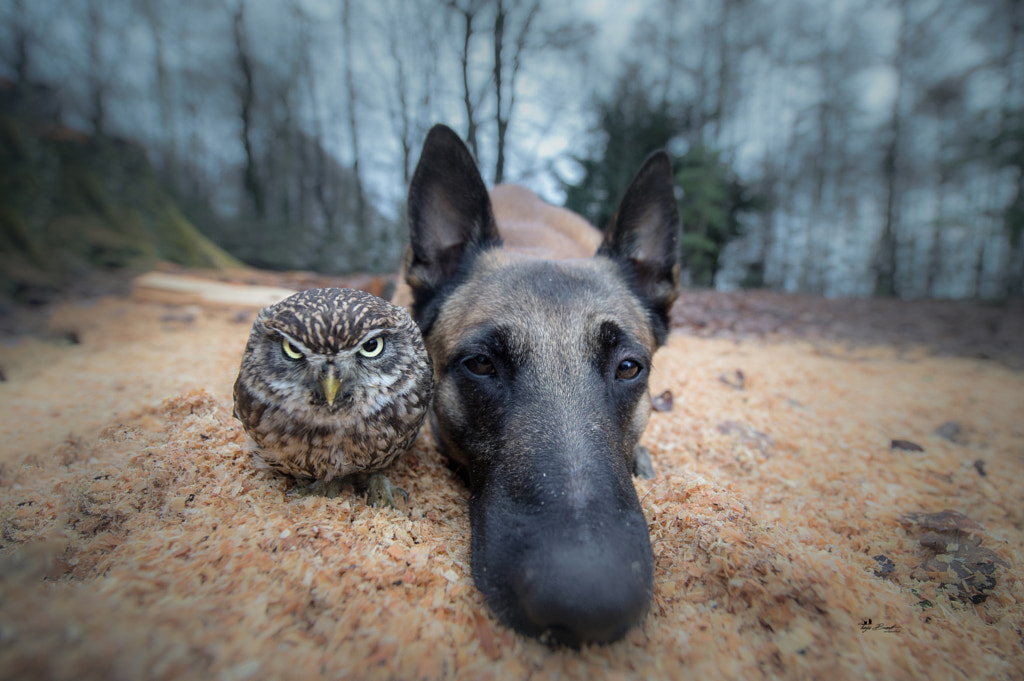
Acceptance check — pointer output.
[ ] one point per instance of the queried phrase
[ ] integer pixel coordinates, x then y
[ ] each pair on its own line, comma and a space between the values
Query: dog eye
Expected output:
372, 347
627, 370
481, 365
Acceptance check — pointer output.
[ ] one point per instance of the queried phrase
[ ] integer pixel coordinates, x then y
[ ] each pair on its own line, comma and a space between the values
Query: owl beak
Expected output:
330, 384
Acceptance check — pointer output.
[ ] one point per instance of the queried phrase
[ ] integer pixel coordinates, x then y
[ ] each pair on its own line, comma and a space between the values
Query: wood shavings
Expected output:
137, 542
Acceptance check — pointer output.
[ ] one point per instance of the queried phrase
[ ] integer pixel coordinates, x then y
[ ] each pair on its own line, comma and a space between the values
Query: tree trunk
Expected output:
886, 258
353, 127
168, 128
1013, 100
404, 123
505, 105
20, 30
724, 74
467, 94
500, 119
95, 78
247, 102
313, 157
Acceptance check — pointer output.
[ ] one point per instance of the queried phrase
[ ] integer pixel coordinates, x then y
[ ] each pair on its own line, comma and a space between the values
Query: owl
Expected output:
334, 382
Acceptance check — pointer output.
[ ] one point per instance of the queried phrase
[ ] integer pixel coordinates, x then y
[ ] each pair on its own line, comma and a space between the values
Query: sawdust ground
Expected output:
136, 542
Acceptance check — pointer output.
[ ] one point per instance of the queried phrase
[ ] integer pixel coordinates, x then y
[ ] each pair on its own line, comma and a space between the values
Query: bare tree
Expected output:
410, 67
724, 76
504, 104
353, 123
887, 260
513, 39
1007, 18
836, 156
25, 27
400, 113
246, 92
22, 35
316, 168
500, 115
152, 12
468, 10
96, 76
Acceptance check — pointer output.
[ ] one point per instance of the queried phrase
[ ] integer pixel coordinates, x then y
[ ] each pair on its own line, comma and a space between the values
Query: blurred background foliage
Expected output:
71, 203
864, 147
712, 197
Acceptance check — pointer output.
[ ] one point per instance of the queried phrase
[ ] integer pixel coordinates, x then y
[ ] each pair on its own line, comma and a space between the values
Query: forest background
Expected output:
848, 148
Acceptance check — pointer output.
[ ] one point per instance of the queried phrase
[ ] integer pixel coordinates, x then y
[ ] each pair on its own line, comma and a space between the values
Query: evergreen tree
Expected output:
632, 124
713, 199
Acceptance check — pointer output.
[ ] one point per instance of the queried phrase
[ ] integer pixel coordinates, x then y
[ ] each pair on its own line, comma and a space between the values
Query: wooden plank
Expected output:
183, 289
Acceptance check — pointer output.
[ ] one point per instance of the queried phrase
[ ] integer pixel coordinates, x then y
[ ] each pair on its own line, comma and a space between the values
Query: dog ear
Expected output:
450, 219
643, 236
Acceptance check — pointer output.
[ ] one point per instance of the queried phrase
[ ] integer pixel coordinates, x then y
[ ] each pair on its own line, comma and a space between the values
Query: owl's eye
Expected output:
289, 351
372, 347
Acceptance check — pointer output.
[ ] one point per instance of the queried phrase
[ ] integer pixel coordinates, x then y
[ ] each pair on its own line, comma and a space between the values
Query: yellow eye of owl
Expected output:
372, 347
289, 351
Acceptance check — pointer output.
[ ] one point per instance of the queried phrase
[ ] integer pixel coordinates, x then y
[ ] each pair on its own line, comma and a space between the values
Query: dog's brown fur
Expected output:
541, 332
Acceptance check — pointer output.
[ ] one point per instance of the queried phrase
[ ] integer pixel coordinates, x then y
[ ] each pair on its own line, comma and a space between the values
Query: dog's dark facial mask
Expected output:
541, 371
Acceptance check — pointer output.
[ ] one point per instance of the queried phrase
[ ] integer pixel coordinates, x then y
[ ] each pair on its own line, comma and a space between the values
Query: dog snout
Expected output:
560, 543
587, 591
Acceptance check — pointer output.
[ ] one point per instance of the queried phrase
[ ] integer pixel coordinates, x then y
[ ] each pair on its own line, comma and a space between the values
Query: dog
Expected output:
541, 331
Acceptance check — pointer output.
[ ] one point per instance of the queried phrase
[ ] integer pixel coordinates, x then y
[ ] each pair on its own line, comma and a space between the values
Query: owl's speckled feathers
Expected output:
333, 382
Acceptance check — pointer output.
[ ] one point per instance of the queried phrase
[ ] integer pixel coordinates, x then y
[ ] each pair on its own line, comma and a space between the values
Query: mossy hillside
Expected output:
72, 203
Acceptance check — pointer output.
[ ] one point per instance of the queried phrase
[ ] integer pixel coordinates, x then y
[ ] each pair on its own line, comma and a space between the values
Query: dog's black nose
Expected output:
584, 591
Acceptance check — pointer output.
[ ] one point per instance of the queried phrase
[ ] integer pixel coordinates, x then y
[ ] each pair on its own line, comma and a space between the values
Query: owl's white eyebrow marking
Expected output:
299, 345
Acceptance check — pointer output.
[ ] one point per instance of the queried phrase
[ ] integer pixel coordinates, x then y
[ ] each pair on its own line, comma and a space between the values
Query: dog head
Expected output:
541, 371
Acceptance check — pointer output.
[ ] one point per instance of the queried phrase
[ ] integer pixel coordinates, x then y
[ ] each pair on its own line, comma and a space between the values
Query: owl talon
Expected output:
325, 488
381, 492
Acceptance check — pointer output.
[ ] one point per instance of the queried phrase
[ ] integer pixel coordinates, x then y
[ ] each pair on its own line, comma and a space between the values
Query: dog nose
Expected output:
584, 592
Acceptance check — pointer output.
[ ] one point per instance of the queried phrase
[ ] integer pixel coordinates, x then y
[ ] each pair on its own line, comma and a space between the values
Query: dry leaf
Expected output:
958, 561
751, 437
943, 521
885, 566
734, 380
950, 430
662, 402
